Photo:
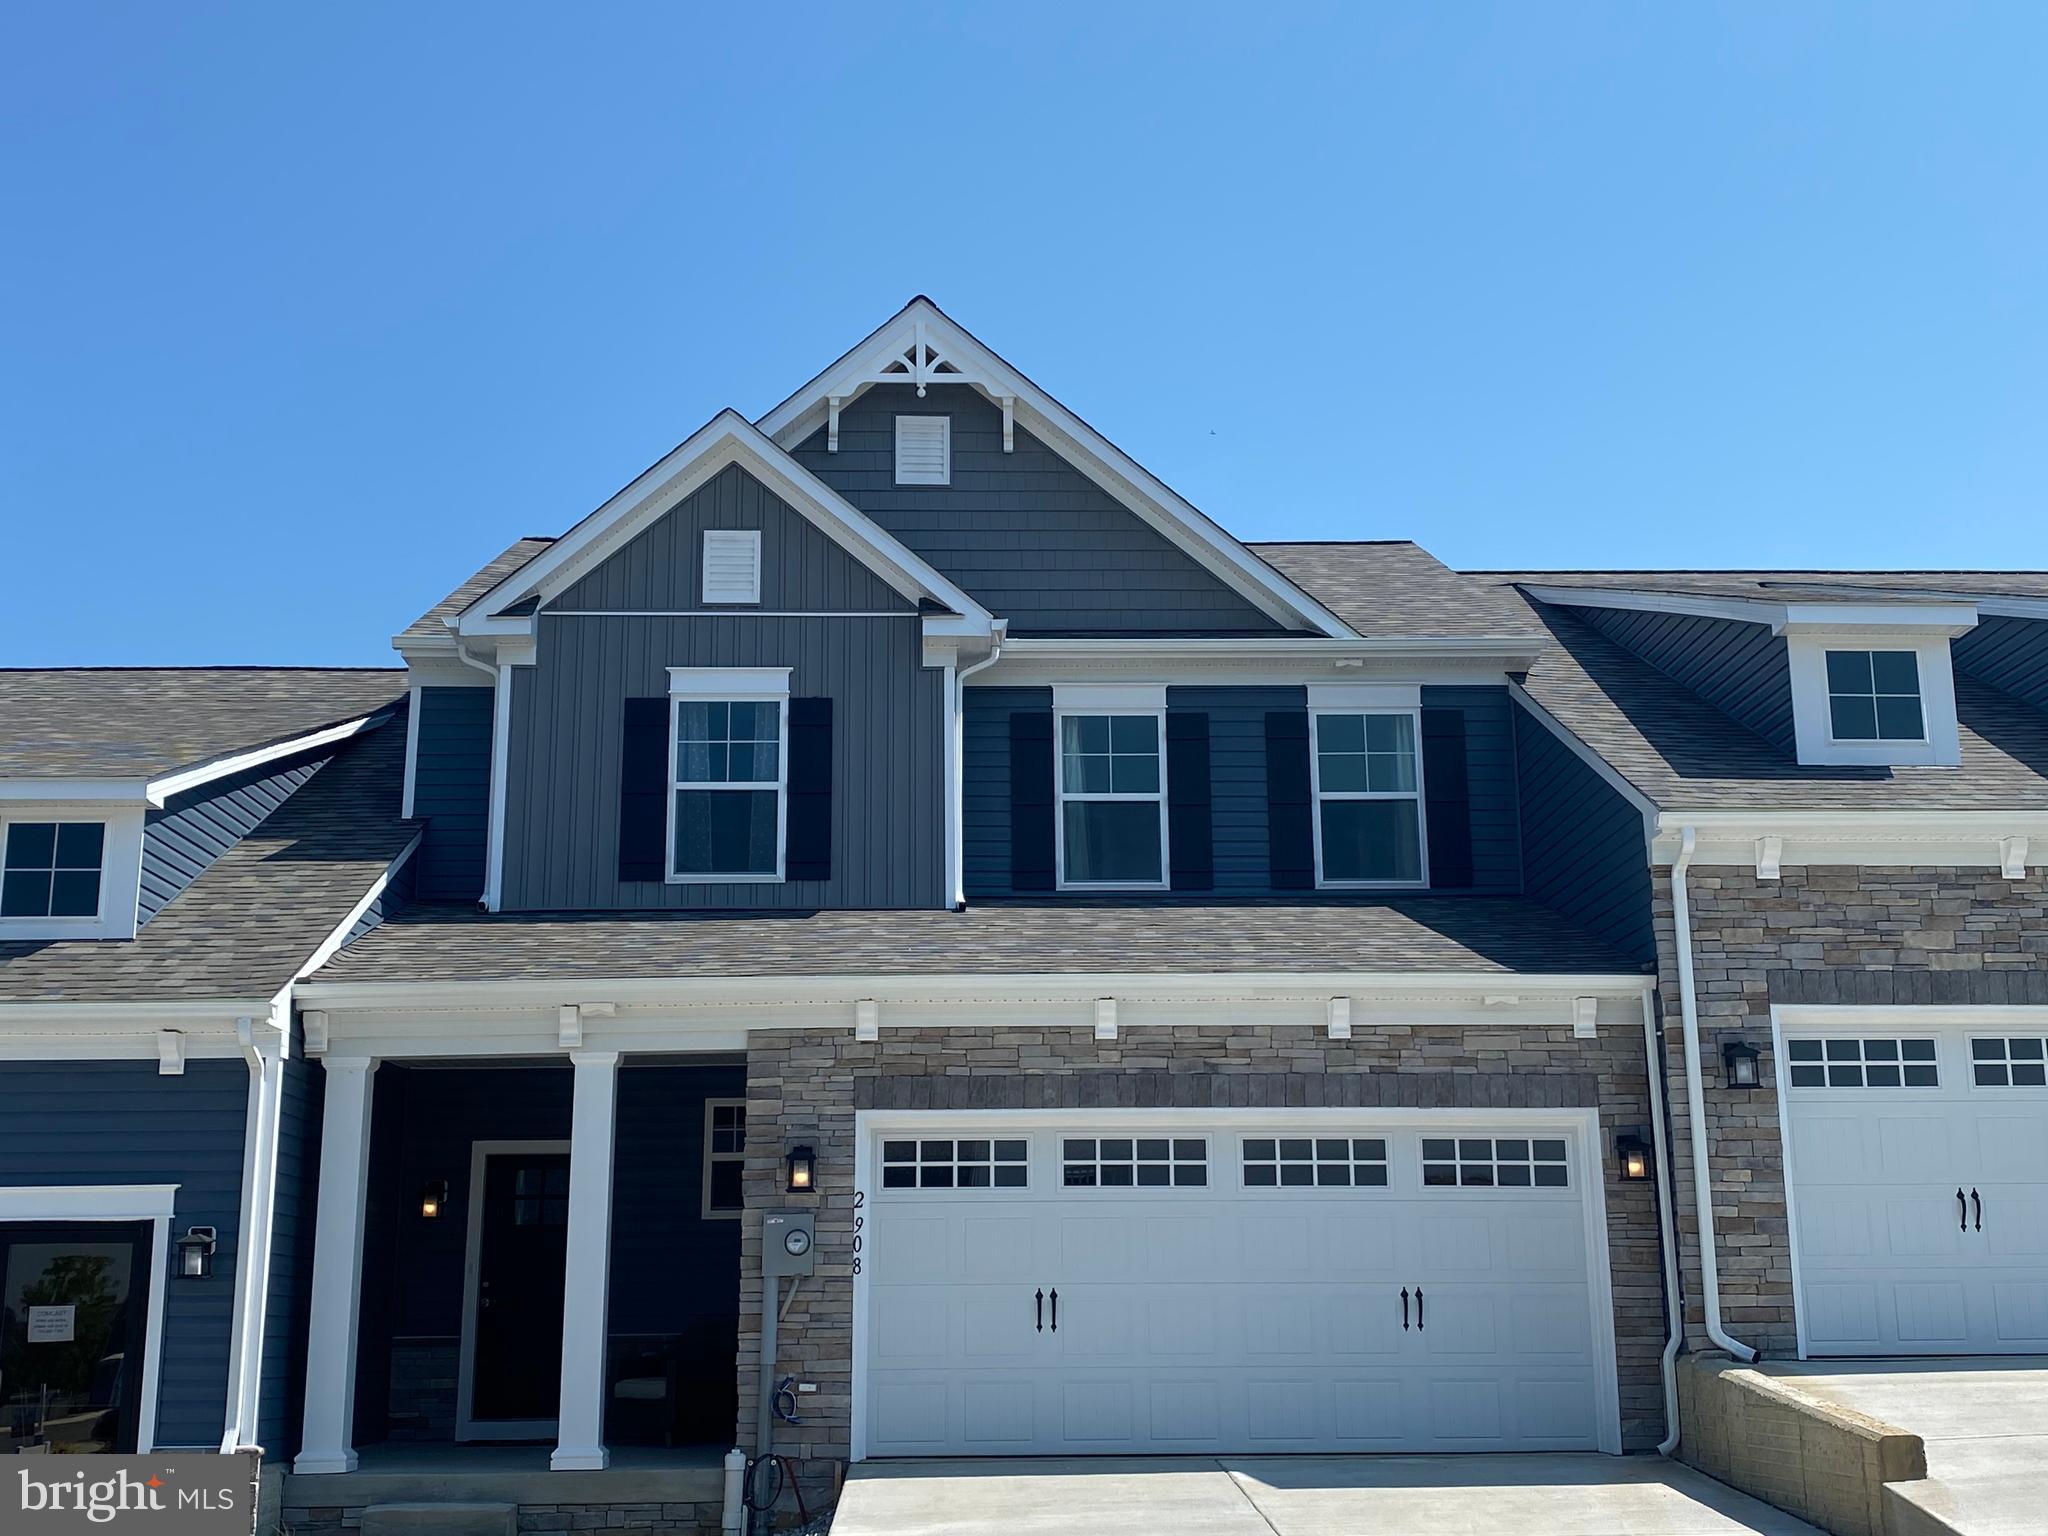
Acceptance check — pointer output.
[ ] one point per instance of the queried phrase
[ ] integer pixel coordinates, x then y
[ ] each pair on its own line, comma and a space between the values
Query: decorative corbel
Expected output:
569, 1027
1770, 853
314, 1022
170, 1053
867, 1019
832, 403
1586, 1017
1105, 1018
2012, 857
1009, 423
1339, 1014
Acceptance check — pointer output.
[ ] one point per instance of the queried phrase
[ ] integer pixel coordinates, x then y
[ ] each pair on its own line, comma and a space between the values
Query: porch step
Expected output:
441, 1520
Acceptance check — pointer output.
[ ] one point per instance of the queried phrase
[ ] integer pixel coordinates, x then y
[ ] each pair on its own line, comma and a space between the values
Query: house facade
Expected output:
904, 938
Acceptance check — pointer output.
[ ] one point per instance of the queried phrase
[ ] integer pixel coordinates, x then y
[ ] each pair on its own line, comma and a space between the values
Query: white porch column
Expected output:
337, 1268
586, 1281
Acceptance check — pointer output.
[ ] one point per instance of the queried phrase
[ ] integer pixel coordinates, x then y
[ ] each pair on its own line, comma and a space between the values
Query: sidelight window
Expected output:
1861, 1063
725, 1156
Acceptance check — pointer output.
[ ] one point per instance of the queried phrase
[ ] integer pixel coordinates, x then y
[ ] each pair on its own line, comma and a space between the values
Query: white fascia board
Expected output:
1880, 619
696, 993
161, 789
1701, 605
1880, 839
130, 792
338, 935
1157, 504
728, 438
124, 1031
1907, 612
442, 668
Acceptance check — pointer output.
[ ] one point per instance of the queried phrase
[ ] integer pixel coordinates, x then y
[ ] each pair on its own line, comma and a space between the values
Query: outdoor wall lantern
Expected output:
803, 1171
433, 1200
1740, 1059
1633, 1150
195, 1253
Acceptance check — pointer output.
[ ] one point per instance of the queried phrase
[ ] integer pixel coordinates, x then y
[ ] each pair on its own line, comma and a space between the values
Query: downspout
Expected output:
956, 791
1667, 1229
259, 1209
1696, 1104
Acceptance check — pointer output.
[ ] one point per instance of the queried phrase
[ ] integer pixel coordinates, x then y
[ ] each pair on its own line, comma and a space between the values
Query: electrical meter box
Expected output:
787, 1240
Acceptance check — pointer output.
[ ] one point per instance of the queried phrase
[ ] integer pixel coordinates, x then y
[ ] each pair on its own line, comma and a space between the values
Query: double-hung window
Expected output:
52, 869
1112, 794
728, 773
1368, 794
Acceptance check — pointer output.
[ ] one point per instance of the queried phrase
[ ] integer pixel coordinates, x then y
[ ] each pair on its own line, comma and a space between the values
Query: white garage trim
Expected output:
1580, 1127
1947, 1023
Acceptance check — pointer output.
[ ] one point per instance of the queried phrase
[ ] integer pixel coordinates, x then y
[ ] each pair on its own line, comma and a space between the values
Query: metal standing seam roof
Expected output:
1492, 935
142, 722
254, 916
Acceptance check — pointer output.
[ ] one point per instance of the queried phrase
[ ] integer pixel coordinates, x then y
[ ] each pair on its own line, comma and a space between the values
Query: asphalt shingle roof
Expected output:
431, 623
1397, 589
1480, 934
252, 918
141, 722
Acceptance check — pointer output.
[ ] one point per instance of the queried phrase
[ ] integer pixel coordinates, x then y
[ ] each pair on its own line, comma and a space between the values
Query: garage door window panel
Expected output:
2009, 1061
1862, 1062
1494, 1162
1134, 1162
954, 1163
1319, 1162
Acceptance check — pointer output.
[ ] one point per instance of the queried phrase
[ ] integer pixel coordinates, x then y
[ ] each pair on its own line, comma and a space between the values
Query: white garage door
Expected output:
1217, 1285
1919, 1175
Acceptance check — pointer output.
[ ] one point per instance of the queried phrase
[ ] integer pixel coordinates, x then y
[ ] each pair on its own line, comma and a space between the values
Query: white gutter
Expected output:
1667, 1228
956, 789
1695, 1103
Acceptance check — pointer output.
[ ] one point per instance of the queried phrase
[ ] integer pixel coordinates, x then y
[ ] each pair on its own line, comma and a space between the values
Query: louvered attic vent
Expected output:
732, 565
924, 450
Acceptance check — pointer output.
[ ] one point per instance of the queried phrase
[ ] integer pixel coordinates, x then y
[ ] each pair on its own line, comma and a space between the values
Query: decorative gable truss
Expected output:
921, 345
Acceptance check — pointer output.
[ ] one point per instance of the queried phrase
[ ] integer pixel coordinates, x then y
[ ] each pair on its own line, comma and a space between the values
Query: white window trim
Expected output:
120, 871
1812, 719
153, 1203
729, 685
946, 436
705, 1210
751, 536
1080, 702
1317, 796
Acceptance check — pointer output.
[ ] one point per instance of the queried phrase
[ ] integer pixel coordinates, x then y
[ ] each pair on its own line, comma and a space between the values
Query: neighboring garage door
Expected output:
1918, 1164
1225, 1285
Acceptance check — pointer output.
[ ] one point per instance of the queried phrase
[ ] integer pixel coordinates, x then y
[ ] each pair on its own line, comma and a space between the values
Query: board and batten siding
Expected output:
2009, 654
1024, 532
452, 791
888, 777
1583, 847
121, 1122
1741, 669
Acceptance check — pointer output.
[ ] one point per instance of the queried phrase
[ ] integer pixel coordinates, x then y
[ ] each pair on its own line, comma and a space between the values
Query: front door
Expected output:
520, 1254
73, 1304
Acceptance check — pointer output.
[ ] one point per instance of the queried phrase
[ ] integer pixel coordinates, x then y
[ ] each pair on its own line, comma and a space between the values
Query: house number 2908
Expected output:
860, 1199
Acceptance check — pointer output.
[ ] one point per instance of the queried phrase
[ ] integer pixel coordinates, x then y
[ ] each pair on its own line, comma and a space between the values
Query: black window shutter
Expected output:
643, 791
1191, 855
807, 855
1290, 819
1447, 791
1031, 801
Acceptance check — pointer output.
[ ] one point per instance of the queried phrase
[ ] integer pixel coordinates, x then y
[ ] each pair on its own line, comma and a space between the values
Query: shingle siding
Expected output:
120, 1122
1741, 669
1025, 532
452, 791
1583, 847
180, 841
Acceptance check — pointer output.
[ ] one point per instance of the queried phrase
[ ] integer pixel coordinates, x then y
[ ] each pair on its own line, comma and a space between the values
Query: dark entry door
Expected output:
74, 1299
517, 1373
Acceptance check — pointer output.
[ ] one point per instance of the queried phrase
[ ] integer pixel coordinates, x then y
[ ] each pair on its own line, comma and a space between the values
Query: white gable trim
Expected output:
1942, 617
1067, 434
728, 438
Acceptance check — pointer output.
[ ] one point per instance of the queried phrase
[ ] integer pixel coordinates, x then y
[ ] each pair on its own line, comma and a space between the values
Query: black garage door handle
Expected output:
1962, 1213
1978, 1200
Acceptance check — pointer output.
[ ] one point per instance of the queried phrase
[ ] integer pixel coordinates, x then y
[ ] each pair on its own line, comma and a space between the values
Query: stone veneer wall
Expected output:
804, 1087
1819, 934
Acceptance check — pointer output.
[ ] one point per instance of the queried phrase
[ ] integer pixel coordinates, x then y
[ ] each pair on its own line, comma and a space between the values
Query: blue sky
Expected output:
309, 310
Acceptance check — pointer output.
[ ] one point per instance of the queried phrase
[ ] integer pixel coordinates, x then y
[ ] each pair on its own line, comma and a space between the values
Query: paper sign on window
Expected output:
52, 1325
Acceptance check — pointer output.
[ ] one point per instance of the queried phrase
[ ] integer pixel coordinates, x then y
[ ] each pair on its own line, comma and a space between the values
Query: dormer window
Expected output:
924, 450
1875, 696
52, 869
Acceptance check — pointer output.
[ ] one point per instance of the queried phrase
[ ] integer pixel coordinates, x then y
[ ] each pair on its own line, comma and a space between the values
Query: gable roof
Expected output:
258, 913
728, 438
433, 624
146, 722
921, 329
1394, 587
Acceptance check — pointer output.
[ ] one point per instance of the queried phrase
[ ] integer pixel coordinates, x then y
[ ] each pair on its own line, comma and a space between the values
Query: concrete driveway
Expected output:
1301, 1496
1985, 1425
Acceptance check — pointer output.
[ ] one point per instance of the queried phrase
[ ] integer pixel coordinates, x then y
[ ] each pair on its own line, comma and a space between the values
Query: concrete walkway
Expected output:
1985, 1425
1301, 1496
